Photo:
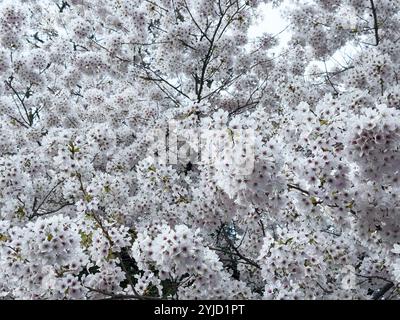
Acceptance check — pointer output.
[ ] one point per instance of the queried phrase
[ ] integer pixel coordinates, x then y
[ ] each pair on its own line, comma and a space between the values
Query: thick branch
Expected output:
376, 28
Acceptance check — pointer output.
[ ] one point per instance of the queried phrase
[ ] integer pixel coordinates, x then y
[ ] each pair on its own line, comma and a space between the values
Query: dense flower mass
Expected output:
158, 149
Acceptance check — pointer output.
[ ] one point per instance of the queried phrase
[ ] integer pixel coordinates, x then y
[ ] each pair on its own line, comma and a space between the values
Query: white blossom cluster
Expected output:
158, 150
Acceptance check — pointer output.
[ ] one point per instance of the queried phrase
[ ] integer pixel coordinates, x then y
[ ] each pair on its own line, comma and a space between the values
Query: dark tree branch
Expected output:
376, 27
296, 187
63, 6
114, 296
382, 291
29, 115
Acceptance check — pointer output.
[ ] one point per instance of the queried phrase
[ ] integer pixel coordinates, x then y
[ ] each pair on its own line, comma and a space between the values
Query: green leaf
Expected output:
3, 237
350, 205
86, 238
314, 201
323, 122
88, 197
20, 213
289, 241
182, 200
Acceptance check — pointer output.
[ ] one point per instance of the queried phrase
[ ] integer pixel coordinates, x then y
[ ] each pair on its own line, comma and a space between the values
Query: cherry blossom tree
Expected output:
157, 149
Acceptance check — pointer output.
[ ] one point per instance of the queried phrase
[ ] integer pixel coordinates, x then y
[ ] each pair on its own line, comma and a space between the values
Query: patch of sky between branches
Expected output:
271, 20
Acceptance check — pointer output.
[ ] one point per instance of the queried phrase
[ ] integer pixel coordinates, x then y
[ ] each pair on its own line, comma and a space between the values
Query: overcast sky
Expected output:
270, 21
